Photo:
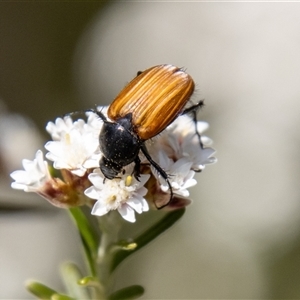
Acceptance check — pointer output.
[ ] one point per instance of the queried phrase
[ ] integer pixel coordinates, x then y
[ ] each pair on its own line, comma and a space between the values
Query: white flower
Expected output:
180, 174
180, 141
124, 194
34, 176
198, 156
76, 144
60, 127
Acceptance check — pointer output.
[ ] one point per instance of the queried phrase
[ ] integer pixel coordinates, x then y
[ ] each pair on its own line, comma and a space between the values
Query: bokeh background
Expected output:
241, 237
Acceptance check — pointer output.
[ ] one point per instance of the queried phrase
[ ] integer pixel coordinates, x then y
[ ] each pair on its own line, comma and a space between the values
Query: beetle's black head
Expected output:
109, 169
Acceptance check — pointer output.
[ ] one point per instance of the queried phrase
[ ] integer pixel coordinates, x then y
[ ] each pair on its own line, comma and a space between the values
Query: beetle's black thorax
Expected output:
118, 142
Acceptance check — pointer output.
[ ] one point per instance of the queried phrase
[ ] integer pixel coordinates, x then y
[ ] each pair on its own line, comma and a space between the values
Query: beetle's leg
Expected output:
163, 174
194, 112
137, 168
193, 109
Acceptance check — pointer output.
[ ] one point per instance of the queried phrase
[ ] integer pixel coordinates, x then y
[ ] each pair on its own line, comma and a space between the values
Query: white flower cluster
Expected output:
74, 150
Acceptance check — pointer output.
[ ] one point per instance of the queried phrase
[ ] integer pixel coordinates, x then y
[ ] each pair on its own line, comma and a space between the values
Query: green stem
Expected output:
109, 226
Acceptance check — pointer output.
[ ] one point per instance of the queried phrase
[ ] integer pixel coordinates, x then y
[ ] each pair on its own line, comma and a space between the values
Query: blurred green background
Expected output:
241, 237
38, 41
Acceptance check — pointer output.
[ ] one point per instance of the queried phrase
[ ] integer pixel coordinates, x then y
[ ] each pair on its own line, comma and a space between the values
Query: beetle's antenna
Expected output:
74, 113
160, 171
99, 113
94, 110
193, 108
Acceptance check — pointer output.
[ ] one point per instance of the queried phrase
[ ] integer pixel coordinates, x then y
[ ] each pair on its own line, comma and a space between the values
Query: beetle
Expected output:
143, 109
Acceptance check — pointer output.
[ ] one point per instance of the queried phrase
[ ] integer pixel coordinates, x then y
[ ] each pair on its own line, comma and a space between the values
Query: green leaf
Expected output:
148, 235
40, 290
130, 292
88, 235
71, 276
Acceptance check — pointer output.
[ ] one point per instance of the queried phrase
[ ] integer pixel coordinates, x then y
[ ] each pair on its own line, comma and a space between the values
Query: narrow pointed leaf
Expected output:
148, 235
130, 292
40, 290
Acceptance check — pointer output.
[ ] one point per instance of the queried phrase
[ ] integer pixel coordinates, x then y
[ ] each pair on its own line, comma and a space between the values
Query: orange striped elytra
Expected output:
155, 98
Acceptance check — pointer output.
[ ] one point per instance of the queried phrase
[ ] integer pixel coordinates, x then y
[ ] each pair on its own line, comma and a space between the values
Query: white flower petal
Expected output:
206, 140
143, 191
92, 162
202, 126
99, 209
35, 175
145, 204
18, 186
190, 183
97, 179
136, 204
91, 192
20, 176
79, 172
182, 192
127, 213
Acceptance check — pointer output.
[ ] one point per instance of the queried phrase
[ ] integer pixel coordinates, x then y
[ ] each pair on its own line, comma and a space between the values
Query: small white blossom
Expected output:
181, 175
179, 140
60, 127
198, 156
75, 146
184, 126
34, 176
124, 194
